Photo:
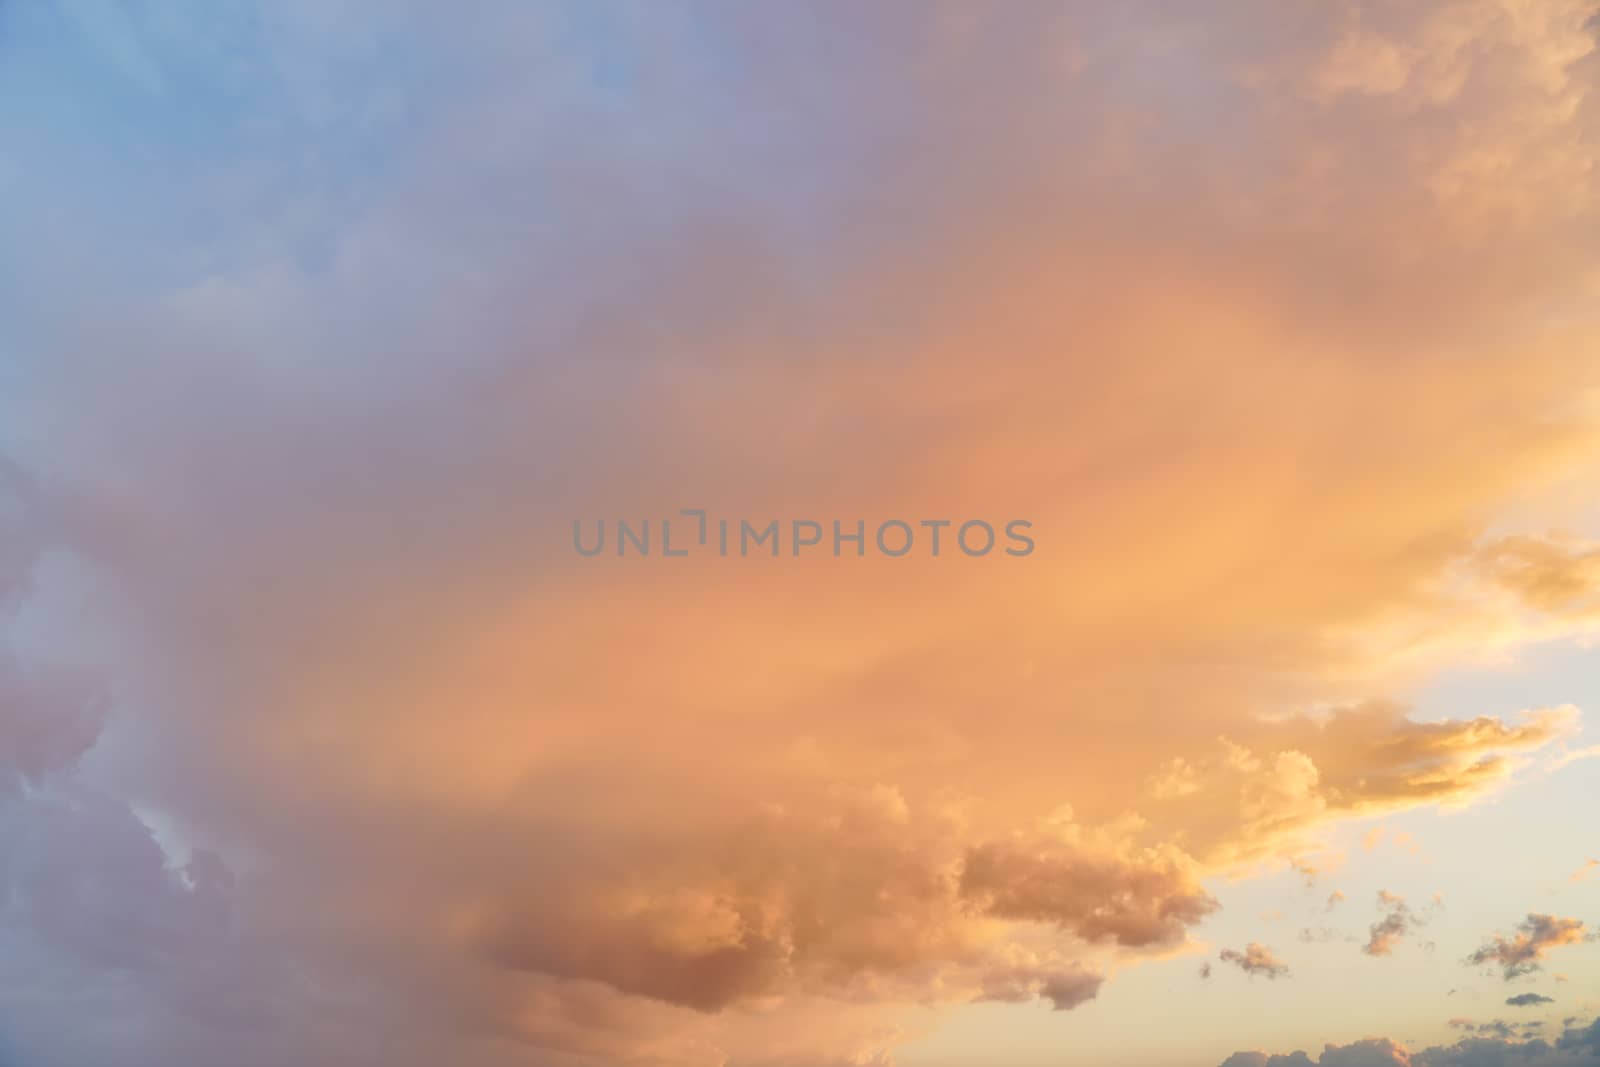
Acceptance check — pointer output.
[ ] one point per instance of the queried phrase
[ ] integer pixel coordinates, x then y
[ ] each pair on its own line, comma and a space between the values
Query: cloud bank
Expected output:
1575, 1047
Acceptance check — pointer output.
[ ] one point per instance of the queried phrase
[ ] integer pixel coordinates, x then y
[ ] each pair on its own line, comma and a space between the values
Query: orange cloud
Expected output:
1270, 400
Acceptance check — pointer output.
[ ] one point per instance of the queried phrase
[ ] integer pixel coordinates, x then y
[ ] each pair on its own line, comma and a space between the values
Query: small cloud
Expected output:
1569, 756
1065, 989
1388, 932
1536, 936
1177, 778
1205, 969
1587, 871
1336, 898
1256, 959
1069, 989
1310, 868
1528, 1000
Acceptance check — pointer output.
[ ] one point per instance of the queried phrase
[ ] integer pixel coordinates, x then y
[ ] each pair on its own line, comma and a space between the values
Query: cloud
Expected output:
1556, 577
1325, 935
1139, 900
1065, 989
1348, 762
1524, 953
1398, 922
1256, 959
1391, 929
863, 895
1573, 1048
334, 736
1261, 1059
1527, 1000
1370, 1053
1566, 756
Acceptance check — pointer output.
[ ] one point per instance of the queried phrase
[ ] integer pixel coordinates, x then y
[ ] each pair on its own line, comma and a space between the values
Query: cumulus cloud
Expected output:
1141, 900
1261, 1059
1524, 952
863, 895
1376, 1052
1351, 761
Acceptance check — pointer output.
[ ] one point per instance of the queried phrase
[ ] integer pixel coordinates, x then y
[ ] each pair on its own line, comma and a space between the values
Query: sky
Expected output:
330, 333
